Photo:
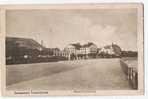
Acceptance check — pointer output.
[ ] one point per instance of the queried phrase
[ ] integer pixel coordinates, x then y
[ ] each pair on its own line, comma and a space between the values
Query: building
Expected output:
77, 51
112, 50
73, 48
55, 51
89, 48
20, 49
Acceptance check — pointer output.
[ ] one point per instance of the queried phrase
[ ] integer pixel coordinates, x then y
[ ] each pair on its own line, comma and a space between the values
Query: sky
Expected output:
58, 28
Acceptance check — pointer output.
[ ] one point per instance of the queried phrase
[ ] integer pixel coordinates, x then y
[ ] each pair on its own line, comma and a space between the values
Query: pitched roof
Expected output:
114, 46
76, 45
108, 46
22, 42
88, 44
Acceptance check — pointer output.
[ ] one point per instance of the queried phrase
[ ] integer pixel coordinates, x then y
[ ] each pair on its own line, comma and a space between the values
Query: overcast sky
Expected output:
57, 28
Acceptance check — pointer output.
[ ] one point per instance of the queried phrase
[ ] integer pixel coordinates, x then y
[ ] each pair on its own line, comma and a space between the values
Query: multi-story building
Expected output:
73, 48
89, 48
77, 51
112, 50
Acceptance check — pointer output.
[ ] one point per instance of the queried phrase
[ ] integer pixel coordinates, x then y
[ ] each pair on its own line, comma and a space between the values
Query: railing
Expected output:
131, 73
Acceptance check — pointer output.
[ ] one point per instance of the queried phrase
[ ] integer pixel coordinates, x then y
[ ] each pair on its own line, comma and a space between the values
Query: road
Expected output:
100, 74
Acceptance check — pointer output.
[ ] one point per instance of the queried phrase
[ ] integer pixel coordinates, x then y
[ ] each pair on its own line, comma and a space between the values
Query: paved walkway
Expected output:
100, 74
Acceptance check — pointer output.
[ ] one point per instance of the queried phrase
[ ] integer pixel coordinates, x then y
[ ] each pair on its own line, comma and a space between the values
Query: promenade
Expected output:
93, 74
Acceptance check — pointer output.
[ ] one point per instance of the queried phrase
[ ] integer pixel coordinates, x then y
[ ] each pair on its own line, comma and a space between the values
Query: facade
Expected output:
55, 51
77, 51
72, 48
111, 50
21, 47
90, 48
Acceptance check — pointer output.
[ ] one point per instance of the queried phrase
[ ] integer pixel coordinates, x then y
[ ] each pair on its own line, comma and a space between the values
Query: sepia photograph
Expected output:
73, 49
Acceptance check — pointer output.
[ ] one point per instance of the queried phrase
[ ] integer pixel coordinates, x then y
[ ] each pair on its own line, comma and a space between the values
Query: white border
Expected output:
97, 1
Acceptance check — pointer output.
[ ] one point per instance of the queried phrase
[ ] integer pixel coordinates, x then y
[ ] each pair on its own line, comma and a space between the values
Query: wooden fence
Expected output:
131, 73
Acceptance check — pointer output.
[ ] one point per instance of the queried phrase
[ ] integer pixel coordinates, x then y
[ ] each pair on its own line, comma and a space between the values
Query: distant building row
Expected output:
89, 50
23, 50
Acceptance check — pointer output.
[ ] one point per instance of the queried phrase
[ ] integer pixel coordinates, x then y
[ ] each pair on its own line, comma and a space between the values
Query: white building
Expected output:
81, 51
111, 50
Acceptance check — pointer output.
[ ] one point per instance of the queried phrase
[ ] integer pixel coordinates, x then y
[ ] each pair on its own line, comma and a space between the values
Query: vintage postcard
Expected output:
72, 49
